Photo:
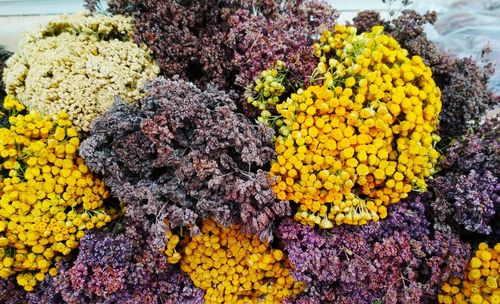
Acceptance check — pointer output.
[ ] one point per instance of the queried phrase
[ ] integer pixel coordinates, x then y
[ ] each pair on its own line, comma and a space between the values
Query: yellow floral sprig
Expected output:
362, 138
480, 284
49, 198
268, 87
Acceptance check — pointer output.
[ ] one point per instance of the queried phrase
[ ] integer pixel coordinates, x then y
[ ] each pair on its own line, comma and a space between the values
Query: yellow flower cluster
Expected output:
48, 195
268, 87
173, 257
363, 138
79, 64
481, 280
233, 267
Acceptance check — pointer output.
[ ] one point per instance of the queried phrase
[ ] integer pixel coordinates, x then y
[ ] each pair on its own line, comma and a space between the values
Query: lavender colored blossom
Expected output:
467, 189
112, 269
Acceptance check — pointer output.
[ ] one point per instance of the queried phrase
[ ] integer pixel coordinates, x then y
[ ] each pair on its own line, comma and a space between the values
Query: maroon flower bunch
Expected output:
185, 155
111, 268
402, 259
227, 43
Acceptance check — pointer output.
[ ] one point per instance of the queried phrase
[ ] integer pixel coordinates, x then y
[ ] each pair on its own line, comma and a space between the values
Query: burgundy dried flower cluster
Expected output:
402, 259
186, 155
227, 43
259, 42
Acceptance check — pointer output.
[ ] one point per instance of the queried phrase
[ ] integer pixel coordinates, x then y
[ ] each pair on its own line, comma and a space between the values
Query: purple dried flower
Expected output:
402, 259
186, 155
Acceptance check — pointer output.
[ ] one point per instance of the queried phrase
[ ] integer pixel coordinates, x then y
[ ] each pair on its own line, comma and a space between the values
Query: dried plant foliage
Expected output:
78, 64
111, 268
402, 259
468, 188
227, 43
186, 155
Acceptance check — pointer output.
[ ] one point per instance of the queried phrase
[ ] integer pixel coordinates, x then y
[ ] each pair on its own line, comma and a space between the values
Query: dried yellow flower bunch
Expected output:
48, 195
363, 138
268, 87
233, 267
480, 284
78, 64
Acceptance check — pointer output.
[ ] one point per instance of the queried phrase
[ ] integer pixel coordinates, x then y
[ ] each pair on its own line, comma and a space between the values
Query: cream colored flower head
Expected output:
78, 64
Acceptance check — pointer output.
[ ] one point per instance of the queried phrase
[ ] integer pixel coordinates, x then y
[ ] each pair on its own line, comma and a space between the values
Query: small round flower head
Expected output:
49, 198
364, 137
480, 282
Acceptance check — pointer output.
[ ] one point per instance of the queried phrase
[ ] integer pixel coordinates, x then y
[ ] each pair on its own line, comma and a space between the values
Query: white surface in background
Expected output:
39, 7
12, 28
464, 28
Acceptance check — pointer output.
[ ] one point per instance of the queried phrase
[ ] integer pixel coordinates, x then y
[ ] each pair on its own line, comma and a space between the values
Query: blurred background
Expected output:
464, 27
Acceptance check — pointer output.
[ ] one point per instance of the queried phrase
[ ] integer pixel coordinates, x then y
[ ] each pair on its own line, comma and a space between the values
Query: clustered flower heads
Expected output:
480, 284
119, 268
269, 87
468, 189
234, 267
259, 40
48, 196
347, 129
225, 42
364, 138
78, 64
402, 259
464, 85
186, 155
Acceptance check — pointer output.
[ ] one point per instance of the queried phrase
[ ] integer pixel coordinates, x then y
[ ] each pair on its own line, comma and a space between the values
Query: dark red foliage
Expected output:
227, 43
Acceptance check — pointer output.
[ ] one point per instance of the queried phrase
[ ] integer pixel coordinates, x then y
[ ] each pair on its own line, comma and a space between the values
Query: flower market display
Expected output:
236, 151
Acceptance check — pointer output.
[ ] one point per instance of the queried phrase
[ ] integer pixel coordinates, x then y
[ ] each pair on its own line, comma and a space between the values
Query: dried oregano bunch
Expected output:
186, 154
226, 42
402, 259
79, 64
467, 190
